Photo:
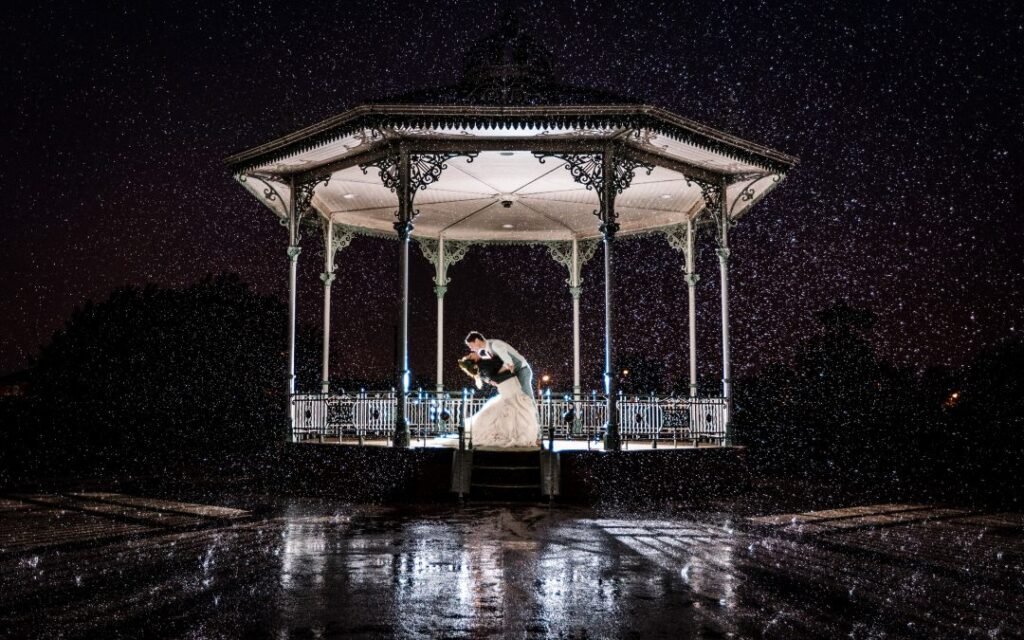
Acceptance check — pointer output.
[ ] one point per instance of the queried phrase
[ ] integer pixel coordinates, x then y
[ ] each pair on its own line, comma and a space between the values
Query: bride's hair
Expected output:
471, 368
474, 336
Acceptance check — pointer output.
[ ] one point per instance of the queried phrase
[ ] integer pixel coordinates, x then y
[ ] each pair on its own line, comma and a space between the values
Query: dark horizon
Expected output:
907, 124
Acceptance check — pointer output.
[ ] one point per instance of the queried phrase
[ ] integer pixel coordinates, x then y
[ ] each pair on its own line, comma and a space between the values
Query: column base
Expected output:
402, 437
612, 442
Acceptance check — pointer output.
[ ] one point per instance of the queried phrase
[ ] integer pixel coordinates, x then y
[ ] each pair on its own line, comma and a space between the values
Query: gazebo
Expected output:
508, 155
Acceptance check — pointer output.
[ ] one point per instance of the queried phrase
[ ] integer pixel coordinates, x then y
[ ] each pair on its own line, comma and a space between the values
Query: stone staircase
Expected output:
505, 476
501, 476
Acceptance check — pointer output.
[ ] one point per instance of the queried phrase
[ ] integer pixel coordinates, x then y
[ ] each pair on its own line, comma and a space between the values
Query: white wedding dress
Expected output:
507, 420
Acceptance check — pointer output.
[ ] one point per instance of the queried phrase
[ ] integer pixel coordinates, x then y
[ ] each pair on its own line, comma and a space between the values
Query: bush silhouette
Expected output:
153, 373
837, 411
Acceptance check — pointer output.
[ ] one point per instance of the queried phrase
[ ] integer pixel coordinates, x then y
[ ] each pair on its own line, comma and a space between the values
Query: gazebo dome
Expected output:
508, 67
501, 137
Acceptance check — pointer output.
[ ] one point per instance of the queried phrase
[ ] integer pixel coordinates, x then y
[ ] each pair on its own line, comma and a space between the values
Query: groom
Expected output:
512, 359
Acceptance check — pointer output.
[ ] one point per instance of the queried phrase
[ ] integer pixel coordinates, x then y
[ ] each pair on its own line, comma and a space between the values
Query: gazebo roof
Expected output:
504, 117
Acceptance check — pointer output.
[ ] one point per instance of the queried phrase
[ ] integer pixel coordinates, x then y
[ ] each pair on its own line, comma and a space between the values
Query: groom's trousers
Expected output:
525, 375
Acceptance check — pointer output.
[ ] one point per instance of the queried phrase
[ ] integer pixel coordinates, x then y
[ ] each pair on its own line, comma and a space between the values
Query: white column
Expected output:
439, 290
328, 277
723, 264
293, 265
691, 285
575, 290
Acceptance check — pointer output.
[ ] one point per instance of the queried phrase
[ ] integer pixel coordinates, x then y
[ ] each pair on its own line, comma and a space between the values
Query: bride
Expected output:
508, 419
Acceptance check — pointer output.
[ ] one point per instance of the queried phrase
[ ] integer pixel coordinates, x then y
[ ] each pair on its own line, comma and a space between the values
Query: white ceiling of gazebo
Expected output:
466, 203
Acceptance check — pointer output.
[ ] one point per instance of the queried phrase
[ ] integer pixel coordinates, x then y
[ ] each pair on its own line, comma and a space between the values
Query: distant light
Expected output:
349, 196
506, 226
625, 372
545, 378
953, 400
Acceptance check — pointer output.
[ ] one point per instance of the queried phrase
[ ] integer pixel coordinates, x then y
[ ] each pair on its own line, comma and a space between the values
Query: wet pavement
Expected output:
116, 565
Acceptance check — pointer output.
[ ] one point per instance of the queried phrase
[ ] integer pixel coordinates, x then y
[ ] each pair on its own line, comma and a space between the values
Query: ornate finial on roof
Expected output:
508, 66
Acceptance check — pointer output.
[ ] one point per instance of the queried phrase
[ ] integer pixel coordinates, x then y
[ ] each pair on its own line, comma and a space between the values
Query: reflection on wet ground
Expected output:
113, 565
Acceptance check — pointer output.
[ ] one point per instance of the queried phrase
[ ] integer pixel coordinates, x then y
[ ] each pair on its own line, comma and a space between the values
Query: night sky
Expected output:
907, 119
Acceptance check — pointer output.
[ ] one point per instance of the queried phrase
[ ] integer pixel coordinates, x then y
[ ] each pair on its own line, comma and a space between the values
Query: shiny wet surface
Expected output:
117, 565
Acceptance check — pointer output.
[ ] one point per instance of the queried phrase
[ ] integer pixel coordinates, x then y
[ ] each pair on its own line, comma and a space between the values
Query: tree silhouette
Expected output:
835, 407
836, 411
154, 373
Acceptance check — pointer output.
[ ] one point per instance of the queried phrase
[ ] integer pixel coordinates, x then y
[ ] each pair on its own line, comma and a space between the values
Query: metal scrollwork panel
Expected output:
586, 249
387, 170
424, 169
343, 236
561, 252
587, 169
428, 246
455, 251
304, 197
676, 237
625, 169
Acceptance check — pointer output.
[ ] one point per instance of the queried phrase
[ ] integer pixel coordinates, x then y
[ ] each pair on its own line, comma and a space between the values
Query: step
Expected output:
504, 476
506, 486
499, 475
505, 457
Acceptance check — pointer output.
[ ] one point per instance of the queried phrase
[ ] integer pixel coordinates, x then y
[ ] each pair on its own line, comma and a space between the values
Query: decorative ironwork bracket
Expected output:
676, 237
561, 252
303, 197
588, 169
608, 176
270, 194
343, 236
713, 195
424, 170
747, 193
304, 192
454, 251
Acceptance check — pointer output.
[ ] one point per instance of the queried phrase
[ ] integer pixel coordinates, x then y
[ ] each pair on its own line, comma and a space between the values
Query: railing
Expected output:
371, 415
